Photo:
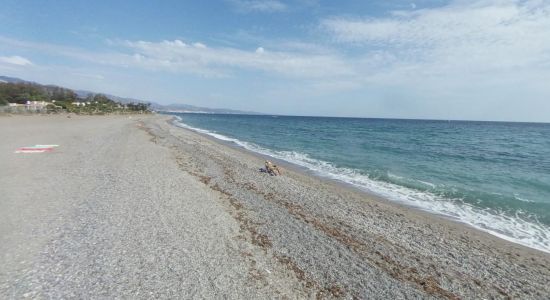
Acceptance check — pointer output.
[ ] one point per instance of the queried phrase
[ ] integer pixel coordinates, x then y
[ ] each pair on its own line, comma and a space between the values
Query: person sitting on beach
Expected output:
272, 169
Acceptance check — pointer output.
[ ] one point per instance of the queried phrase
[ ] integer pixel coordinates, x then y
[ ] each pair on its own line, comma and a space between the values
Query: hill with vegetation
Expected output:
54, 98
88, 96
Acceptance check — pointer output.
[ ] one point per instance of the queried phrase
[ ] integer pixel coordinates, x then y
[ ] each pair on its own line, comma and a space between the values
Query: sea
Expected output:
494, 176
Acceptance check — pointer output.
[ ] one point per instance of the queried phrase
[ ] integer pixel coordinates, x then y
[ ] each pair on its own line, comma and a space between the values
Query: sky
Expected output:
427, 59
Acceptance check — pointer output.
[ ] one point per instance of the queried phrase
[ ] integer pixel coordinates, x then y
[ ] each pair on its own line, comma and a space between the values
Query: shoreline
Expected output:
441, 239
362, 191
150, 208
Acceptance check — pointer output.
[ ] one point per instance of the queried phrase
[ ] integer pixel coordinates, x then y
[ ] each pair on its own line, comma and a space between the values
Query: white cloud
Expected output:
246, 6
15, 60
477, 59
69, 52
181, 57
199, 45
464, 48
197, 58
486, 35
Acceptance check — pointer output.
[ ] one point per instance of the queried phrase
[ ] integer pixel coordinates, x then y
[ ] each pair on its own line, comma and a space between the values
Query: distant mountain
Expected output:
84, 94
156, 106
7, 79
186, 108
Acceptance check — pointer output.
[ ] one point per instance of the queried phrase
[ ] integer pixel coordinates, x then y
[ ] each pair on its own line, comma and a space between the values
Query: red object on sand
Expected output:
34, 149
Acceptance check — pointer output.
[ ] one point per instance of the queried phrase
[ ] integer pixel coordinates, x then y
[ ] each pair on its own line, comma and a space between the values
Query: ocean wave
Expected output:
523, 199
512, 228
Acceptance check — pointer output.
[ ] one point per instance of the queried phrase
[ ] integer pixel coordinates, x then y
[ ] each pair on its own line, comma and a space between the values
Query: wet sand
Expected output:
139, 208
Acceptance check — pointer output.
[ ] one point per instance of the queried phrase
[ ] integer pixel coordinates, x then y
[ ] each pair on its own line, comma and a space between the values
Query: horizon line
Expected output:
349, 117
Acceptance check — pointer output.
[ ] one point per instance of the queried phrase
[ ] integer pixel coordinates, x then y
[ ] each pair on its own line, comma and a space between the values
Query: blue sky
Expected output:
458, 59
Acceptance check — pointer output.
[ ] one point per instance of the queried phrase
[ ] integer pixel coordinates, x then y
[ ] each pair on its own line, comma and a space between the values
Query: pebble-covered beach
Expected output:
139, 208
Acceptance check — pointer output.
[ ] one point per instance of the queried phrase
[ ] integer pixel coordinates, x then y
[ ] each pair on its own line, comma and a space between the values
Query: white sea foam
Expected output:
514, 229
523, 199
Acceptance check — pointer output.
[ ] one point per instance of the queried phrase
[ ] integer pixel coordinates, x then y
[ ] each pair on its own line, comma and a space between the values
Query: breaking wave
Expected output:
512, 228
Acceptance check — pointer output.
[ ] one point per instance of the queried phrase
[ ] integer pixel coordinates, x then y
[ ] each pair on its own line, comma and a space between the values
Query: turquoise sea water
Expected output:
492, 175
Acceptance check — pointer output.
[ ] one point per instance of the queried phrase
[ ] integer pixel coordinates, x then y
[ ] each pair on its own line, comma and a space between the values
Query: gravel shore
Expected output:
139, 208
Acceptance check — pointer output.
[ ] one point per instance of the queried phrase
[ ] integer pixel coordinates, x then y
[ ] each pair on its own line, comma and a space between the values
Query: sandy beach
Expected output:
135, 207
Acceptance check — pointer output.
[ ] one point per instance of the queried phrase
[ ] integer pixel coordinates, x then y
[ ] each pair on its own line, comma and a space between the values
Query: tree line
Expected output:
61, 98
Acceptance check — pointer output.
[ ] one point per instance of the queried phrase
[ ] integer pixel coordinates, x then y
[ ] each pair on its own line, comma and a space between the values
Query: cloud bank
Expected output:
197, 58
15, 60
476, 36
